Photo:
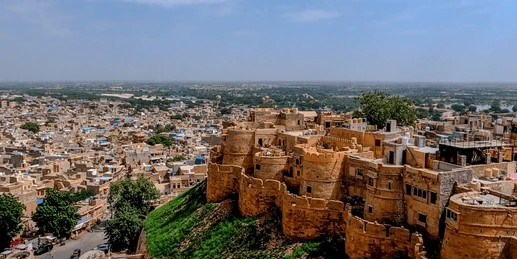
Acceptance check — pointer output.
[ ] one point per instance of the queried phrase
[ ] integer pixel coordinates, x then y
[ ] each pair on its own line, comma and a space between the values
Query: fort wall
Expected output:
365, 239
321, 174
270, 167
257, 196
488, 226
222, 181
238, 148
384, 201
305, 218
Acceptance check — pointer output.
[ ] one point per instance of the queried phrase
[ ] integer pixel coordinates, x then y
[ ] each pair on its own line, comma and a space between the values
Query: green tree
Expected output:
378, 107
124, 229
11, 212
31, 126
473, 108
167, 128
514, 108
458, 107
138, 194
176, 158
57, 214
81, 195
132, 201
159, 139
440, 106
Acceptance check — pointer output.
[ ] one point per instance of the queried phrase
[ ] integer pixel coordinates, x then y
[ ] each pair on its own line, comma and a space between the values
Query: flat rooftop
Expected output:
475, 144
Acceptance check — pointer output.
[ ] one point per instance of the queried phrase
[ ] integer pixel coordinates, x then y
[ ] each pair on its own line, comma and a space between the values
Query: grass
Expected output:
190, 227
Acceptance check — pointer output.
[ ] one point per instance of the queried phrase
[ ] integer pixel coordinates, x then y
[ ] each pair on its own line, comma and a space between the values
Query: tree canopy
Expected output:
57, 214
11, 212
159, 139
31, 126
131, 200
124, 229
138, 194
378, 107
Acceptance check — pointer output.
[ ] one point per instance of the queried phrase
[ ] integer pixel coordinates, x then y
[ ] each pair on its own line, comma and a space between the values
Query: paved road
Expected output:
87, 242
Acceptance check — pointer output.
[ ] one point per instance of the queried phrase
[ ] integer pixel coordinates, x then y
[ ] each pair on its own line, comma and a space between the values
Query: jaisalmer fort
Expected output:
392, 192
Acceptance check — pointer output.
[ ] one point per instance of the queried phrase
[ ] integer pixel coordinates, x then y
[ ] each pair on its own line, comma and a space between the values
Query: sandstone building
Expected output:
384, 190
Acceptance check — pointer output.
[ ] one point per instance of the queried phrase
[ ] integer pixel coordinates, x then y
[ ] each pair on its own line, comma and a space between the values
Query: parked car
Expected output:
76, 254
43, 248
103, 247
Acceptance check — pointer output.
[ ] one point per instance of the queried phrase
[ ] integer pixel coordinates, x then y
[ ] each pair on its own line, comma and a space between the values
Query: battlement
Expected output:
371, 239
303, 202
320, 156
252, 182
222, 181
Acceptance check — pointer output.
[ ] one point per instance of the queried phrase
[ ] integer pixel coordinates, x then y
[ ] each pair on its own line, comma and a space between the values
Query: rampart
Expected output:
366, 239
321, 173
270, 166
222, 181
238, 148
384, 198
487, 224
305, 218
257, 196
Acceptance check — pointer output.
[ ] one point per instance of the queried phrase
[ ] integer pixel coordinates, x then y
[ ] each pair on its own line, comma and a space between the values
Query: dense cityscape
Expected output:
98, 172
231, 129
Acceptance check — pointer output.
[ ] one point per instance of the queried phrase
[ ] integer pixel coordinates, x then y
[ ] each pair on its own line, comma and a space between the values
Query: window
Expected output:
260, 142
408, 189
389, 185
257, 166
370, 181
309, 189
297, 161
433, 197
415, 191
422, 218
377, 142
370, 209
298, 172
359, 173
451, 215
424, 194
291, 171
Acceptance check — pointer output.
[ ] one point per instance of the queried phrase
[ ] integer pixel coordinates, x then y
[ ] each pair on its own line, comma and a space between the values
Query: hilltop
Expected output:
191, 227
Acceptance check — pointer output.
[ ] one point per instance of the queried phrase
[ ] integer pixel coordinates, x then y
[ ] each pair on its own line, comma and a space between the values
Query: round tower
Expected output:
269, 165
384, 201
321, 173
238, 148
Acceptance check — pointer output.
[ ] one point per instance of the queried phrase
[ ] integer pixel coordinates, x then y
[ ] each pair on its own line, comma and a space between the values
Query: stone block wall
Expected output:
321, 174
222, 181
305, 218
384, 201
488, 227
366, 239
270, 167
238, 148
256, 195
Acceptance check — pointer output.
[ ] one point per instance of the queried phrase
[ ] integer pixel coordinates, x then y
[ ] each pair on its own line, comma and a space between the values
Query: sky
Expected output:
300, 40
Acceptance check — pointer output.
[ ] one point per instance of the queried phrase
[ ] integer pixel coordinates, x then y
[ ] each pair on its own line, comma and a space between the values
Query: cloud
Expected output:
311, 15
174, 3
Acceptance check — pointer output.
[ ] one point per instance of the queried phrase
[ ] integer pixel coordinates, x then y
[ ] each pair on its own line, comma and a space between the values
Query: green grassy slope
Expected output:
190, 227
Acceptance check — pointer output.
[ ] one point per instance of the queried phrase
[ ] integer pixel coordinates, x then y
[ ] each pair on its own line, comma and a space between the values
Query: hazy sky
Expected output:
366, 40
